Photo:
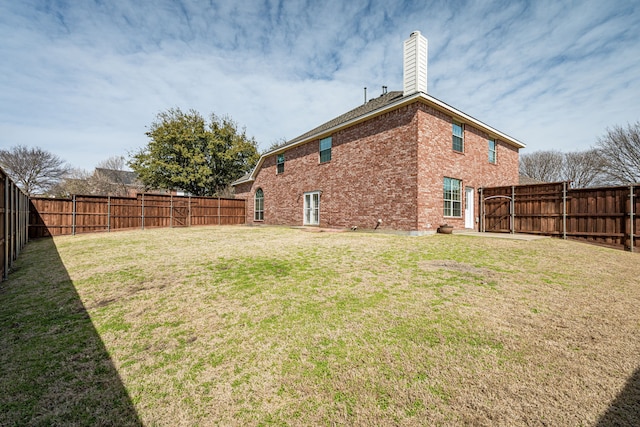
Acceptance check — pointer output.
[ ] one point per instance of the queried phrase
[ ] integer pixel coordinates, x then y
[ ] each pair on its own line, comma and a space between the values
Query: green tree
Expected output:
188, 153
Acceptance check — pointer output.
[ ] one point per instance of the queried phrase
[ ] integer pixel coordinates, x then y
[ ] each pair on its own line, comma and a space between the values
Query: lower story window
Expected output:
452, 197
312, 208
259, 205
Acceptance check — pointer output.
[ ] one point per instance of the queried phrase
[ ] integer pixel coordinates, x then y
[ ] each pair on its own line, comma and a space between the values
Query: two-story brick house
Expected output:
402, 161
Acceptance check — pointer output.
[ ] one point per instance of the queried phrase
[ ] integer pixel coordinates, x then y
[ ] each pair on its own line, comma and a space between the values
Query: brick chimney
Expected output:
415, 64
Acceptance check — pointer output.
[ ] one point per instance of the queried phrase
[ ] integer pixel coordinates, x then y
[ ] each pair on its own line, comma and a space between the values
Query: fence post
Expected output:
481, 226
189, 209
631, 217
171, 211
142, 211
73, 216
7, 189
564, 210
108, 213
218, 210
13, 223
513, 209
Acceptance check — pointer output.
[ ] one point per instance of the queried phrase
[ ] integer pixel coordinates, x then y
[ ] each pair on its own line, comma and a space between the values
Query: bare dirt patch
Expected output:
263, 326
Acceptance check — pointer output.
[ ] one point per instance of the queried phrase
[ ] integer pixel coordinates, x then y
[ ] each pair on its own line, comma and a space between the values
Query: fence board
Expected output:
605, 215
90, 214
14, 213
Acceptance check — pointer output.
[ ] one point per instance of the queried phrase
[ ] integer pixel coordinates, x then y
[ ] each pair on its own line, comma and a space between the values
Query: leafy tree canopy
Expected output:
189, 153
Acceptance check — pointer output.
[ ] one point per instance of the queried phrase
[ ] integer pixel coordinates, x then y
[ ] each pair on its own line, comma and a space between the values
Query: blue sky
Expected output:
84, 79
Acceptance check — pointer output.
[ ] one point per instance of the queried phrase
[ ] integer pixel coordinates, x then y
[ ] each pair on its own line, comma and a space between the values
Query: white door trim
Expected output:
469, 208
311, 213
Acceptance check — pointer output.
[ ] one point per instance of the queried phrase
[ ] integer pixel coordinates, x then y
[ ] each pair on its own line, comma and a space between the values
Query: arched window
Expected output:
259, 205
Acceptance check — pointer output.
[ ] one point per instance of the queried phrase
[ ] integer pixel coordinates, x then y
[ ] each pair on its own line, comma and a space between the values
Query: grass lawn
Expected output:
278, 326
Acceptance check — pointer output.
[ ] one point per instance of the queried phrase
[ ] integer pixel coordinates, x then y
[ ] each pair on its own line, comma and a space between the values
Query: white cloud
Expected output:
83, 80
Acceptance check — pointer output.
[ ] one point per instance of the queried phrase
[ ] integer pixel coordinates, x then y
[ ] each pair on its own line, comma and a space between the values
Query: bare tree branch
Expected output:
543, 166
620, 150
34, 170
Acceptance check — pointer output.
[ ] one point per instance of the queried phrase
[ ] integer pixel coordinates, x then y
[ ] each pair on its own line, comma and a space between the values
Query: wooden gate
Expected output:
496, 214
180, 213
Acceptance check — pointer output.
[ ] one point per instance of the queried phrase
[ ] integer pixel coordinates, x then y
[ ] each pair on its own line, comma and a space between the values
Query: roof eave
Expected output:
419, 96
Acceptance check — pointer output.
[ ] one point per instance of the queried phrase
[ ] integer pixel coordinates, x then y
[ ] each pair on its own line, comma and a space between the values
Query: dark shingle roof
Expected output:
371, 105
120, 177
525, 180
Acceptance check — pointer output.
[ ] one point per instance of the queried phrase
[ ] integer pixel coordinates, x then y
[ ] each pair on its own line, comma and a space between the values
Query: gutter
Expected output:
406, 100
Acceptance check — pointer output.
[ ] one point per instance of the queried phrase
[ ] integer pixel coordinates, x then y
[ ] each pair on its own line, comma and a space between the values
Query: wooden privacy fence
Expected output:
14, 215
88, 214
604, 215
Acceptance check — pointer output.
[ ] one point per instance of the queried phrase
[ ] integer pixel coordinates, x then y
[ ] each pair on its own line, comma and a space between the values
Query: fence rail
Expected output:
604, 215
14, 215
89, 214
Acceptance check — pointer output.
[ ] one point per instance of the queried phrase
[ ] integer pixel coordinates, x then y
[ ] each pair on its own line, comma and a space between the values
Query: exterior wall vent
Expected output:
415, 64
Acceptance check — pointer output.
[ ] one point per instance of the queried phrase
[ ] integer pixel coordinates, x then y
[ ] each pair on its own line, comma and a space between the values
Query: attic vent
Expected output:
415, 64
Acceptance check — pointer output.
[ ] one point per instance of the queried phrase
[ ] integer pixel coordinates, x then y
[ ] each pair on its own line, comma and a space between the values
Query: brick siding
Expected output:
390, 167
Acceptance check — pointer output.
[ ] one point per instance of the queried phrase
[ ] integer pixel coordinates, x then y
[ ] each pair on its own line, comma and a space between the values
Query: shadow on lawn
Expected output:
54, 367
625, 409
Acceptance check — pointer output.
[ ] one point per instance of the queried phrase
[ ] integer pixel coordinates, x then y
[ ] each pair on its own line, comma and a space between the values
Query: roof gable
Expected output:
373, 108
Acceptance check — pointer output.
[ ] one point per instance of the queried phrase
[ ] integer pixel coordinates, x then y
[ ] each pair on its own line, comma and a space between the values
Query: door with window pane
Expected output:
312, 208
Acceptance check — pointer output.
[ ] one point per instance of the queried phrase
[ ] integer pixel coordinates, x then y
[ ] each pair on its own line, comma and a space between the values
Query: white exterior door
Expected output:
469, 203
312, 208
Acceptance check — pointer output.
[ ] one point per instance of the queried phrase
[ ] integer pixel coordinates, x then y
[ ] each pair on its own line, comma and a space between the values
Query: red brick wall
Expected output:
378, 171
438, 160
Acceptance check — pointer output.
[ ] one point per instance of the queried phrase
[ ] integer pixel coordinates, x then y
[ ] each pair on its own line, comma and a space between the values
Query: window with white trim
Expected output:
325, 149
452, 197
258, 208
312, 208
492, 151
280, 163
458, 136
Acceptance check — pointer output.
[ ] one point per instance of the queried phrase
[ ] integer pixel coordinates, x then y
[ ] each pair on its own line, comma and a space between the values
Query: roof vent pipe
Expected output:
415, 64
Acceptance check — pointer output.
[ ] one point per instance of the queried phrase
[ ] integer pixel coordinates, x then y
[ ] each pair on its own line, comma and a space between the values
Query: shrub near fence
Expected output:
602, 215
14, 214
87, 214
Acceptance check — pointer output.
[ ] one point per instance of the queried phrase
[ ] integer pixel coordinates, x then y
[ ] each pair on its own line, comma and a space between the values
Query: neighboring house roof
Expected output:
118, 176
525, 180
375, 107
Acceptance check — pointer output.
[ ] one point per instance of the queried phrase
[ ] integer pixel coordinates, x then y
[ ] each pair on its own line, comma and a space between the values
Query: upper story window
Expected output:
280, 163
452, 197
458, 137
325, 149
492, 151
258, 207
